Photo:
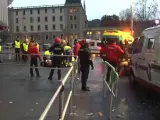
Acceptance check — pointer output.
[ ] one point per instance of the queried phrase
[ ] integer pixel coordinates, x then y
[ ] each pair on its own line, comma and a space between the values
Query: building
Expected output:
4, 14
46, 22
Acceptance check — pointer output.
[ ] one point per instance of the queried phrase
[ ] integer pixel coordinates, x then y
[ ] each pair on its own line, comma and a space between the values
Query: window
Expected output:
61, 26
38, 27
38, 11
53, 18
53, 10
31, 28
24, 12
38, 19
31, 12
46, 37
16, 12
54, 27
17, 29
16, 20
139, 45
61, 18
61, 10
151, 43
24, 28
71, 26
31, 19
46, 27
75, 26
71, 17
75, 17
45, 10
46, 19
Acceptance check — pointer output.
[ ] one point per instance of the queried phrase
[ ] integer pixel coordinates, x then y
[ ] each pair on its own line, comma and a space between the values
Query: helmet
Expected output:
57, 40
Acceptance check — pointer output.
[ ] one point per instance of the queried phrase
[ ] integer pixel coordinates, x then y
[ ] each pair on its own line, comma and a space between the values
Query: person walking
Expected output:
85, 63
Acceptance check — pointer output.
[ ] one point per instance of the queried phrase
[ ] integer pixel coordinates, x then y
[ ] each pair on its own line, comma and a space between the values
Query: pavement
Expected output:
22, 98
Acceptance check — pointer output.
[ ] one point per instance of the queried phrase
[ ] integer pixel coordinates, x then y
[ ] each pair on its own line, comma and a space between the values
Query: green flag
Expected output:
114, 77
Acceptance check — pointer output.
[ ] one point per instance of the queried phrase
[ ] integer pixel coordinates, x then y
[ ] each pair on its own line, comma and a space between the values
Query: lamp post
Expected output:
132, 17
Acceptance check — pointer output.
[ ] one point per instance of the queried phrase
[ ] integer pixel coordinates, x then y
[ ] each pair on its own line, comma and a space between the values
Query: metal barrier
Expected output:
73, 71
111, 85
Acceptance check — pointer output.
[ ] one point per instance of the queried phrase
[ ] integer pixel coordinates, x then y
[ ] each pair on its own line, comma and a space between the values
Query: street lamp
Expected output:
132, 17
89, 33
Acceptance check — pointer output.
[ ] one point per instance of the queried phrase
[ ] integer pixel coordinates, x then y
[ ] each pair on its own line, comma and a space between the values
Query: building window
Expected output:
71, 17
75, 26
38, 11
61, 26
53, 18
17, 29
75, 17
46, 37
16, 20
31, 12
38, 27
31, 20
24, 12
53, 10
24, 28
46, 27
54, 27
16, 12
61, 10
46, 19
45, 10
31, 28
38, 19
61, 18
71, 26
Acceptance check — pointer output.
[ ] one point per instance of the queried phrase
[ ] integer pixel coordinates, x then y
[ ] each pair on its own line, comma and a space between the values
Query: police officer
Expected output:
24, 50
113, 53
17, 45
56, 49
85, 62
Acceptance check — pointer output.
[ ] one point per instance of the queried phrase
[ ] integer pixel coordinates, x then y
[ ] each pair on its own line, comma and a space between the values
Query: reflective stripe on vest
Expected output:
17, 44
25, 47
0, 48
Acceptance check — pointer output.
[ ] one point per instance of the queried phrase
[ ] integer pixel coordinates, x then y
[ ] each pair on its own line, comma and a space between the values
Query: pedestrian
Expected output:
57, 58
113, 54
34, 55
24, 50
85, 63
76, 47
17, 45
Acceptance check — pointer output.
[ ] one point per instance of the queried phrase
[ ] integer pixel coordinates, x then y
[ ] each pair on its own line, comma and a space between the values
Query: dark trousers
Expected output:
34, 62
17, 52
109, 70
24, 56
56, 64
84, 77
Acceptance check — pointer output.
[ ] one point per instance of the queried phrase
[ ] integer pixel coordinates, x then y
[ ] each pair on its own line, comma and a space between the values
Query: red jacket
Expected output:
34, 50
76, 49
113, 52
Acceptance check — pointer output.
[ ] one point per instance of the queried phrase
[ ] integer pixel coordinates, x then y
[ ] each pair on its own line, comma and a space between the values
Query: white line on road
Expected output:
15, 73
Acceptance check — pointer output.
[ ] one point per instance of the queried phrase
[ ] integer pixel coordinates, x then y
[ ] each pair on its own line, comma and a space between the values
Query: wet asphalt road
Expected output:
22, 98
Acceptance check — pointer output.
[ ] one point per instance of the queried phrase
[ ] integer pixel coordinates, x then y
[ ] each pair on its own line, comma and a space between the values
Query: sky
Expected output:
95, 8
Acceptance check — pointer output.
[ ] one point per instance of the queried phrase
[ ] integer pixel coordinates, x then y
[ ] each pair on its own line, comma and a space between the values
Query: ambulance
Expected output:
145, 60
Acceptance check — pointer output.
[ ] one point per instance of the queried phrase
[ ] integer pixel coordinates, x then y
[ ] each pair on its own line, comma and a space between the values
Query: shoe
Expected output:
86, 89
49, 78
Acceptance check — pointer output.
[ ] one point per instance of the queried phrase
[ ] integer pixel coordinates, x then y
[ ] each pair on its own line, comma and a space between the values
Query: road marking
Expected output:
15, 73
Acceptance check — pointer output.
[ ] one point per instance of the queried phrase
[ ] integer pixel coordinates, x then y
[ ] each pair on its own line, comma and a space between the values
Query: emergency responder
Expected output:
38, 46
47, 56
0, 52
58, 50
85, 62
34, 54
76, 47
17, 45
24, 50
113, 54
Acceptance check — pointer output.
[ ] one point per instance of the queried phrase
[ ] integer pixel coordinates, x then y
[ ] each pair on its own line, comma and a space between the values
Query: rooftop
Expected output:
41, 6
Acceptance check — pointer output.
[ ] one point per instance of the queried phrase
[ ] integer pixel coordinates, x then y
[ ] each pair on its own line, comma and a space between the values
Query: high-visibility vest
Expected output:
47, 53
25, 47
66, 47
17, 44
0, 48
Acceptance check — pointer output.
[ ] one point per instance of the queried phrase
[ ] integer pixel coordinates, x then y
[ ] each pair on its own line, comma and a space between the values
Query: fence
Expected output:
111, 85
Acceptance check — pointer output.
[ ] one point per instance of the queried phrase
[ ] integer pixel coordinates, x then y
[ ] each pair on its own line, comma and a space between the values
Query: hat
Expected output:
57, 40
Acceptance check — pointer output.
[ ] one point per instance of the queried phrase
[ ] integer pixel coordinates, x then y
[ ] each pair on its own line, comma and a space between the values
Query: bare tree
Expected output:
146, 9
125, 14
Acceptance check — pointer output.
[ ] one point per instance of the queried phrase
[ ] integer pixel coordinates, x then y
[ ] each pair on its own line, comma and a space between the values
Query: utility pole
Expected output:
132, 17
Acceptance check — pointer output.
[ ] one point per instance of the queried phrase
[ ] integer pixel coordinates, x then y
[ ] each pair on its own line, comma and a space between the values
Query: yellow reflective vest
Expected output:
17, 44
66, 47
0, 48
47, 53
25, 47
